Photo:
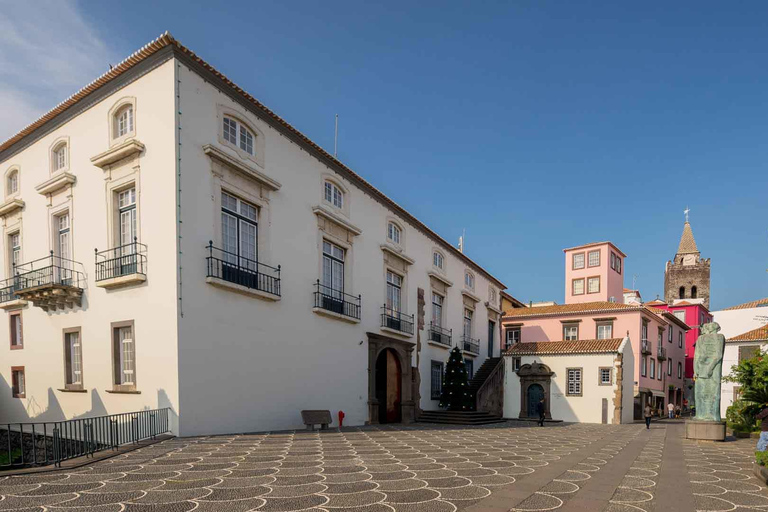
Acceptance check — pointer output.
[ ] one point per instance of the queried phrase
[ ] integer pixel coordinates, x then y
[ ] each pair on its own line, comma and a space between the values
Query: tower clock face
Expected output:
689, 259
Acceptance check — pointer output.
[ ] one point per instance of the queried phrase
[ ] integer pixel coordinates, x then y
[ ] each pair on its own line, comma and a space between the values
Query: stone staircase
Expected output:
459, 417
482, 373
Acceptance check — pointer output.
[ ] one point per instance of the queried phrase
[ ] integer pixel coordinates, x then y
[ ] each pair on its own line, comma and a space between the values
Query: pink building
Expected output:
594, 310
593, 272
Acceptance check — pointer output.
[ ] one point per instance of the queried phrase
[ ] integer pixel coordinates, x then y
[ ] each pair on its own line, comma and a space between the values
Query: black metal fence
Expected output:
338, 302
51, 270
121, 261
236, 269
440, 335
396, 320
41, 443
469, 344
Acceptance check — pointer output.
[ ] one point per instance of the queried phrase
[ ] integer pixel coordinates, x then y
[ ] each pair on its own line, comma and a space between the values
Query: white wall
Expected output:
731, 359
152, 306
738, 321
247, 364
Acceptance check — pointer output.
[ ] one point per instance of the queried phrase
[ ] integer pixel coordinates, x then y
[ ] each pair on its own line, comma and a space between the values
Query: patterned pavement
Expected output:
418, 468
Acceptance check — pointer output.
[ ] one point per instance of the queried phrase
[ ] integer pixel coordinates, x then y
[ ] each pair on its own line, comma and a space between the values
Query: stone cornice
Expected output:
246, 170
117, 153
398, 254
322, 211
56, 183
440, 278
10, 206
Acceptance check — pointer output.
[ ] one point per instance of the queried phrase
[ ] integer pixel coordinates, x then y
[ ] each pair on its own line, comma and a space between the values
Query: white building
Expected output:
585, 381
242, 273
737, 348
741, 318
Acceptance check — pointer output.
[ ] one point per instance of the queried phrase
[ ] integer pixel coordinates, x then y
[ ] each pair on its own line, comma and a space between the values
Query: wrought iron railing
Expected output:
661, 353
470, 344
645, 347
337, 301
440, 335
51, 270
51, 442
396, 320
236, 269
121, 261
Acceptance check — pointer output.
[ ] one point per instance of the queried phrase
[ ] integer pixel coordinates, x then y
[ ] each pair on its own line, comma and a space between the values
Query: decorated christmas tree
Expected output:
455, 395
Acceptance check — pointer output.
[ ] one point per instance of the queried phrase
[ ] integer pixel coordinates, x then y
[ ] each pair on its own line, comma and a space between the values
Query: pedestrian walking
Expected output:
677, 412
671, 410
762, 443
648, 413
540, 410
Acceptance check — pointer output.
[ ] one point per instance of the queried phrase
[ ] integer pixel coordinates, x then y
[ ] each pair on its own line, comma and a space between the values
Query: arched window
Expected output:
12, 183
238, 135
469, 280
123, 123
693, 292
334, 195
393, 233
60, 157
438, 260
682, 292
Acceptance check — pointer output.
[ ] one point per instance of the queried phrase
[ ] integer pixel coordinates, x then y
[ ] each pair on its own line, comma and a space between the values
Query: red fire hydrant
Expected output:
341, 419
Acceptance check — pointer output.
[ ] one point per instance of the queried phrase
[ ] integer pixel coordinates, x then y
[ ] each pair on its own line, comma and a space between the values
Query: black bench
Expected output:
316, 417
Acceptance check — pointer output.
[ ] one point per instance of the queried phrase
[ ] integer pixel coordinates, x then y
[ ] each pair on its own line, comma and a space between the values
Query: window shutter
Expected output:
116, 355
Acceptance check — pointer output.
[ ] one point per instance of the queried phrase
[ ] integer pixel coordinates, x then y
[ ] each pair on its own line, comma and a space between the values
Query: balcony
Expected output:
439, 335
231, 271
645, 347
50, 283
661, 353
470, 345
121, 266
337, 304
396, 321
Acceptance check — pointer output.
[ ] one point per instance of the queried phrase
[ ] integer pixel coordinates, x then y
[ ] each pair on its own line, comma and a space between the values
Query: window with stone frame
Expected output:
18, 382
573, 381
73, 359
124, 356
605, 376
16, 330
436, 376
516, 363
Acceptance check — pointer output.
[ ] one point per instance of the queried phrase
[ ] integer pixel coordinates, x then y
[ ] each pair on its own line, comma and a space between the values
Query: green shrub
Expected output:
761, 458
740, 417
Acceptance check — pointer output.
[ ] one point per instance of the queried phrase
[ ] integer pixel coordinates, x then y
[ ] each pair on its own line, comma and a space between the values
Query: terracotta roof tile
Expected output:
565, 347
760, 303
759, 334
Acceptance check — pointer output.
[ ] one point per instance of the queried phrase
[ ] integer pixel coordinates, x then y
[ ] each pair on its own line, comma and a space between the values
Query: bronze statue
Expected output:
708, 371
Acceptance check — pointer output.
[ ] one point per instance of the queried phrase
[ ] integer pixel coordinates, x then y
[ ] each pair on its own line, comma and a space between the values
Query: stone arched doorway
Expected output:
390, 390
389, 386
535, 380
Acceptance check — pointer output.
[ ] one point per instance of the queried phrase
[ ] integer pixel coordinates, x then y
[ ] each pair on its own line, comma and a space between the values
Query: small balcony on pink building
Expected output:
645, 347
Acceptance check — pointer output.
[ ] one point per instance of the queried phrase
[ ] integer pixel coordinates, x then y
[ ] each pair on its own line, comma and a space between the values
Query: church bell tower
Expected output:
687, 276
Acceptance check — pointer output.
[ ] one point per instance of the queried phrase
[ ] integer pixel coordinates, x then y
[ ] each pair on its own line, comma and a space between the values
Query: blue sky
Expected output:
535, 126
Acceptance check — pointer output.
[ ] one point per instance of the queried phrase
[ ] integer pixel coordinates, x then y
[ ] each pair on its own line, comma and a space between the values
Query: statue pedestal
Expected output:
705, 430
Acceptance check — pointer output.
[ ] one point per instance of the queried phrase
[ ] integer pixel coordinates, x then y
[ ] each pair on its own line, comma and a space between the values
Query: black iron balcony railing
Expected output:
440, 335
396, 320
51, 270
661, 353
236, 269
337, 301
645, 347
41, 443
121, 261
470, 344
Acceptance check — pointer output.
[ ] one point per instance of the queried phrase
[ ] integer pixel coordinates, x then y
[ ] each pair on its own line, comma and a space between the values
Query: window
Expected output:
394, 286
437, 260
660, 337
469, 364
680, 314
653, 368
17, 337
18, 382
578, 286
63, 246
748, 352
593, 259
571, 332
644, 367
124, 352
593, 285
333, 269
701, 319
124, 121
574, 382
239, 232
14, 242
680, 339
679, 370
437, 310
60, 157
513, 336
436, 386
670, 335
334, 195
613, 260
467, 323
618, 264
669, 367
604, 331
516, 363
238, 135
660, 369
469, 280
73, 360
682, 292
605, 376
13, 182
393, 233
644, 331
578, 261
693, 292
126, 204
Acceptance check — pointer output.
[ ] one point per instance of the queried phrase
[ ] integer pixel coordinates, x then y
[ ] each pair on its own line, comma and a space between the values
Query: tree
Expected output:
752, 376
455, 395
